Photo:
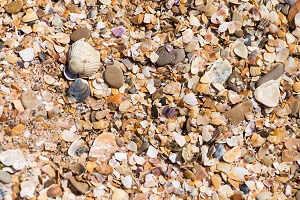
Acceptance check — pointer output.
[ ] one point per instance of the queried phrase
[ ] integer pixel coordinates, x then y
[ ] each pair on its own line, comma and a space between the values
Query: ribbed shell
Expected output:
83, 59
80, 90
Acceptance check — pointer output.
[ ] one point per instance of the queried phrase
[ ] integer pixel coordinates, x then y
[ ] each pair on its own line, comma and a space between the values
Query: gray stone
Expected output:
173, 57
80, 33
79, 186
5, 177
220, 151
235, 82
113, 75
273, 74
29, 99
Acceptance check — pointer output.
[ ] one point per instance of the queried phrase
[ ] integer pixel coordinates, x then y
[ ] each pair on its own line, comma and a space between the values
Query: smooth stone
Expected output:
235, 82
79, 186
237, 113
14, 7
77, 168
29, 99
5, 177
113, 75
80, 33
273, 74
173, 57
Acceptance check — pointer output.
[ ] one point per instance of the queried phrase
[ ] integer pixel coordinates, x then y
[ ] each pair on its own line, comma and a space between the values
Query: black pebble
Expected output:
244, 188
154, 112
163, 101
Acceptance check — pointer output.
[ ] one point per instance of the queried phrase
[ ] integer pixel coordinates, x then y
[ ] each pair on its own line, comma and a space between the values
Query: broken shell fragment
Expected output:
80, 90
241, 50
83, 59
232, 155
268, 93
69, 75
295, 8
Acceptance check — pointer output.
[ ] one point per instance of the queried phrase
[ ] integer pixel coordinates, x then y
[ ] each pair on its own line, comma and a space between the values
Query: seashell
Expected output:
232, 155
216, 181
190, 99
290, 156
280, 135
118, 31
169, 112
268, 93
77, 148
69, 75
263, 23
297, 19
295, 8
83, 59
257, 140
241, 50
80, 90
292, 144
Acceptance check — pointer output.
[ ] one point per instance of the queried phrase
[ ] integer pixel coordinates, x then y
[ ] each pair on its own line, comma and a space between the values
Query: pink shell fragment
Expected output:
118, 31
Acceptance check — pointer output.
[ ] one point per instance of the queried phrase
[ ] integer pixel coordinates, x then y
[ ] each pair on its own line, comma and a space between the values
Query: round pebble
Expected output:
5, 177
113, 75
80, 33
14, 7
172, 57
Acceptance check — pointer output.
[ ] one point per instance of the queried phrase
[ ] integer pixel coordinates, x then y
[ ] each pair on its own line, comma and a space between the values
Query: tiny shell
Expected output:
69, 75
241, 50
232, 155
77, 148
118, 31
190, 99
83, 59
80, 90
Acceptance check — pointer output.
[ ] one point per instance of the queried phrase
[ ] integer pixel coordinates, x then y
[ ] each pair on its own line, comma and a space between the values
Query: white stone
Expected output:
27, 54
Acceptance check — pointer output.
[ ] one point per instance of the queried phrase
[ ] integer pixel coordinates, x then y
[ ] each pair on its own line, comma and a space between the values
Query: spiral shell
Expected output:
80, 90
83, 59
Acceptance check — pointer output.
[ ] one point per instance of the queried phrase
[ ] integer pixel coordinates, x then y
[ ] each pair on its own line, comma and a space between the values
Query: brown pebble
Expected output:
235, 82
54, 191
80, 33
237, 113
14, 7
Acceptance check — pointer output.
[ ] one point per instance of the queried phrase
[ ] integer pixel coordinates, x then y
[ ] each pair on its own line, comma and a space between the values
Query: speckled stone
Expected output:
173, 57
80, 33
237, 113
113, 75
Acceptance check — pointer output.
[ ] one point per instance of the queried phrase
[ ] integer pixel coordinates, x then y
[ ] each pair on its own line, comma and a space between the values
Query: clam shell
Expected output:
295, 8
80, 90
83, 59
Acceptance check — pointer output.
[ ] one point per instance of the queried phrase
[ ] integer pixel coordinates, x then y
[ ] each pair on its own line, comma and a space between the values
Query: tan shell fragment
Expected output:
241, 50
216, 181
83, 59
257, 140
232, 155
279, 135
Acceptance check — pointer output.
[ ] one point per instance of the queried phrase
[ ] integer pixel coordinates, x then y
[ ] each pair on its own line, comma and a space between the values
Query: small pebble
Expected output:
113, 75
5, 177
80, 33
14, 7
169, 58
79, 186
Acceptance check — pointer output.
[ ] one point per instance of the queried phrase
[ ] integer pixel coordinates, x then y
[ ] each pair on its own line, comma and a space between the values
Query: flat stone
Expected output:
5, 177
14, 7
80, 33
29, 99
235, 82
173, 57
79, 186
113, 75
237, 113
273, 74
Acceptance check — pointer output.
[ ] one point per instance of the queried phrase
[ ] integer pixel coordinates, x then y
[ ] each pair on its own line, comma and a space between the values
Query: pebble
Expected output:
119, 194
268, 93
27, 54
172, 88
54, 191
235, 82
219, 73
79, 186
173, 57
113, 75
237, 113
29, 99
152, 152
5, 177
14, 7
80, 33
18, 130
273, 74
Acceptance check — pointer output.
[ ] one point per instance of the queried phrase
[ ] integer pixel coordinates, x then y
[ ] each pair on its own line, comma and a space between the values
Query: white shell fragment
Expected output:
241, 50
83, 59
268, 93
190, 99
27, 54
14, 158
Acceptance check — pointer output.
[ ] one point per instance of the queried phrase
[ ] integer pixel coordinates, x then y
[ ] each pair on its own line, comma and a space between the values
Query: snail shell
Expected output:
295, 8
83, 59
80, 90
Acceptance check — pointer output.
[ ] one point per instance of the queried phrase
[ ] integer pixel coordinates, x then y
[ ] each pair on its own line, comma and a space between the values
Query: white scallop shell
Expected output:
83, 59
